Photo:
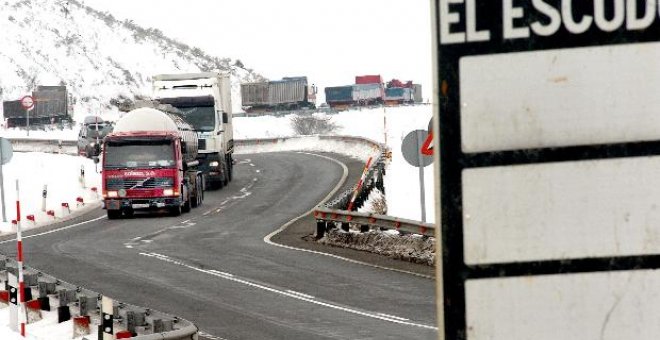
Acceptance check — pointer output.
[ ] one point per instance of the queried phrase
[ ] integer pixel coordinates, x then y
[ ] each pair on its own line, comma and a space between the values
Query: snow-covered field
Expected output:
59, 173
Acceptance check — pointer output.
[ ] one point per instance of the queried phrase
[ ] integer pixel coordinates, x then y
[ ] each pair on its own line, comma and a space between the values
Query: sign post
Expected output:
28, 104
547, 183
6, 153
411, 151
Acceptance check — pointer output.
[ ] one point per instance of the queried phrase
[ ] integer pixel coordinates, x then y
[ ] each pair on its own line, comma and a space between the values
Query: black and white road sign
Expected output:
547, 118
27, 102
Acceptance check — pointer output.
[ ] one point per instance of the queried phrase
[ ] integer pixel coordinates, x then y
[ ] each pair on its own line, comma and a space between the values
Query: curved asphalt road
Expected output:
212, 266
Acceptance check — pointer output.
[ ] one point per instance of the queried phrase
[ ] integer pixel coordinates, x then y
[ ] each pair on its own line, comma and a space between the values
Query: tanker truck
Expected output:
149, 163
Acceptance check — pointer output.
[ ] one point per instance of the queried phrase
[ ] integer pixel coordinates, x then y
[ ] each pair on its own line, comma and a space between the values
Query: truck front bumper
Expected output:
141, 203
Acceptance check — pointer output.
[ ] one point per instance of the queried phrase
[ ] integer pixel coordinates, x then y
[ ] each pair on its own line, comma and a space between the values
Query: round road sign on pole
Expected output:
27, 102
411, 149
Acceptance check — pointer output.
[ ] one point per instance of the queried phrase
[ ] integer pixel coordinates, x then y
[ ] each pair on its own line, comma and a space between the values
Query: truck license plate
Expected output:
140, 206
113, 205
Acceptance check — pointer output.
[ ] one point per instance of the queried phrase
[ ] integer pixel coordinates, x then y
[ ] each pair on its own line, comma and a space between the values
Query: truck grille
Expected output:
201, 144
139, 183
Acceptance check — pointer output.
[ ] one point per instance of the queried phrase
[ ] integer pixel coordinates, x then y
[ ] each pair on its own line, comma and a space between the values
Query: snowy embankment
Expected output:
61, 176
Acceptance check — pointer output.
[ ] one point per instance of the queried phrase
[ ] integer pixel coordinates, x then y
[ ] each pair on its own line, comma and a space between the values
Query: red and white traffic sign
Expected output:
27, 102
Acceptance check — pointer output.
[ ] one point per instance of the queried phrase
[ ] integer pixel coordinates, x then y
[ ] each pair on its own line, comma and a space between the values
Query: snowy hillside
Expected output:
100, 59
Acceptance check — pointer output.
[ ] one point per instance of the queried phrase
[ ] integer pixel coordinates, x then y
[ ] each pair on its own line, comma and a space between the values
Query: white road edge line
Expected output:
268, 237
57, 229
296, 296
303, 294
209, 336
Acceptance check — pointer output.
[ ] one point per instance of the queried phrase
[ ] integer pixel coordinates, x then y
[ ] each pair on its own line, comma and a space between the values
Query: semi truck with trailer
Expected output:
150, 163
204, 100
51, 106
290, 93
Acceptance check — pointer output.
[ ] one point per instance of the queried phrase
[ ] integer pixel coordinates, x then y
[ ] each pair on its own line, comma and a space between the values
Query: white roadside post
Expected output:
107, 318
44, 195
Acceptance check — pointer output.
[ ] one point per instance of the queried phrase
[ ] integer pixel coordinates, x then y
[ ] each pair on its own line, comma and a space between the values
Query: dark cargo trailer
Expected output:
290, 93
339, 95
50, 106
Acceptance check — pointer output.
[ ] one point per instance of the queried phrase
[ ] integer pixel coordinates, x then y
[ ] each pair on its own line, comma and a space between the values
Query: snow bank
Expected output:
61, 175
412, 248
45, 329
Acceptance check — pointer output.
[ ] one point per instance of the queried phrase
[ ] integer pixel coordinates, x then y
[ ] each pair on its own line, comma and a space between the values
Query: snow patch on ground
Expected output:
312, 143
412, 248
61, 175
45, 329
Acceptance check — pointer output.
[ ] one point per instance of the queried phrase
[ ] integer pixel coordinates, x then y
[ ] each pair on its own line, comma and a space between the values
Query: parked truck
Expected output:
150, 163
204, 100
51, 106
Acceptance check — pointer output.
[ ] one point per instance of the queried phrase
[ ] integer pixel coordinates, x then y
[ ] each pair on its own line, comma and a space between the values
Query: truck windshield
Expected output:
139, 154
202, 118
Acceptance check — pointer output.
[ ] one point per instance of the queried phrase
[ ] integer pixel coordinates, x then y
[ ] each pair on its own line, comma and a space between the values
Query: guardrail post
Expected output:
131, 322
320, 229
86, 304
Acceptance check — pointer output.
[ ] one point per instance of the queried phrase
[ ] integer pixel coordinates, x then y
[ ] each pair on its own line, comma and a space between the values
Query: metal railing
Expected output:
143, 323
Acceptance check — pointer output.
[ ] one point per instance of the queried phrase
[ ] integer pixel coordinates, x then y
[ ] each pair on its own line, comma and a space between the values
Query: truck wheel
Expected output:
114, 214
175, 211
225, 175
230, 165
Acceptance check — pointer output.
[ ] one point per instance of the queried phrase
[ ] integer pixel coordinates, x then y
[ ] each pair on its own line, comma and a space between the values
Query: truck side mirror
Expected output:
225, 119
183, 147
96, 159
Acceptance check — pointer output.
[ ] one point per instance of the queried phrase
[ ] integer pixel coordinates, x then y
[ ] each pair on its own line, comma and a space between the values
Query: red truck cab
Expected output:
148, 170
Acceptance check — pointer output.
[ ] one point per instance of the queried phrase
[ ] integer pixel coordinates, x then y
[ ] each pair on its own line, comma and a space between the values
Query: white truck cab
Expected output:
205, 101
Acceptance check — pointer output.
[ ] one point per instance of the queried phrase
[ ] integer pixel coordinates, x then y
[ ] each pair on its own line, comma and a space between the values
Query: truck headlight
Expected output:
168, 192
112, 193
214, 164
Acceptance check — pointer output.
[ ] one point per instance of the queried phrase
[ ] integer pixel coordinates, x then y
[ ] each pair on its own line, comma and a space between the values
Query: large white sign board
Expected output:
548, 174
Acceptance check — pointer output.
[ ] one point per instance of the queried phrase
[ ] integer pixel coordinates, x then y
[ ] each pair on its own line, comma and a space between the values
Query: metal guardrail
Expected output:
142, 320
68, 147
326, 217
